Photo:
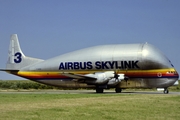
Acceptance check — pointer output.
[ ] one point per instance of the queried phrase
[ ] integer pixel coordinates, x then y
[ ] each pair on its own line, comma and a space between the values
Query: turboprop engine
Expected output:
101, 77
116, 80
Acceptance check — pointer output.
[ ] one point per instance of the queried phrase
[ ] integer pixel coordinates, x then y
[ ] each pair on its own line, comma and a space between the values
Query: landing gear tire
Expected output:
99, 90
166, 91
118, 90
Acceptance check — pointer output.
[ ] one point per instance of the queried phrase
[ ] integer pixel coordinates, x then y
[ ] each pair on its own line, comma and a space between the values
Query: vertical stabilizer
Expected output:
16, 58
15, 53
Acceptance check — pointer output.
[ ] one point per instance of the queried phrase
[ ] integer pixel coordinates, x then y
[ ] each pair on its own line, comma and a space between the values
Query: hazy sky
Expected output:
47, 28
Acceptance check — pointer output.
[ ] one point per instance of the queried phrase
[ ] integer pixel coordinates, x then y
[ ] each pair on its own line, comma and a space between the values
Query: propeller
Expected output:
120, 77
116, 76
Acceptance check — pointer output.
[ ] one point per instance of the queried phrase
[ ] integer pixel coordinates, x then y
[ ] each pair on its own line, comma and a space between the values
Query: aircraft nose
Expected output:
176, 74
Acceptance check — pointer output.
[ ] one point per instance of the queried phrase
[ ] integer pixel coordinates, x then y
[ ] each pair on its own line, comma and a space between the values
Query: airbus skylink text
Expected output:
98, 65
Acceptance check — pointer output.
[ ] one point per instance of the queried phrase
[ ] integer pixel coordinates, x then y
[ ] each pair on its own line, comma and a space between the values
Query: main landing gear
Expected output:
99, 90
118, 90
166, 91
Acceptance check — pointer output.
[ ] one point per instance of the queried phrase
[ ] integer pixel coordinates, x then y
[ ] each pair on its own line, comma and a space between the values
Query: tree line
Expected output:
23, 84
27, 84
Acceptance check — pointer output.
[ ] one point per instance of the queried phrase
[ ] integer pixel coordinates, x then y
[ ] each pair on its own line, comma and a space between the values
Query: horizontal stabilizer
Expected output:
12, 71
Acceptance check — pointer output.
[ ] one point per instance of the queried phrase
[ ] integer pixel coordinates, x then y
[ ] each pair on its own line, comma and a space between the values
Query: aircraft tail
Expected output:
16, 58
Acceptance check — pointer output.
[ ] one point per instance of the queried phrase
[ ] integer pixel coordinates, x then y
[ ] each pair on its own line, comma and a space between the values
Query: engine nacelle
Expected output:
102, 77
115, 81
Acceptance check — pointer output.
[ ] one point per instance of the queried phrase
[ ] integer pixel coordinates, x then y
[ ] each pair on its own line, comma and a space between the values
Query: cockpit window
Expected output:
171, 72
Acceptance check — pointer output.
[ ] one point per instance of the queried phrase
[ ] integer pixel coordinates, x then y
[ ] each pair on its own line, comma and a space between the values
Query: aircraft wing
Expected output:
77, 76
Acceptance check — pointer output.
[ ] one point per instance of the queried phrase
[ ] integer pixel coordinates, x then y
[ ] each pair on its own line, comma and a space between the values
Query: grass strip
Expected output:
89, 106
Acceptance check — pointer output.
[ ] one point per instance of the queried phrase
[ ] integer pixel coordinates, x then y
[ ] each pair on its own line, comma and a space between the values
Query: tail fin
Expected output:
16, 58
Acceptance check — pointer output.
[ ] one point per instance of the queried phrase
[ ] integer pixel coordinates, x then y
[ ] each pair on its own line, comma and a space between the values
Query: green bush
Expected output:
23, 84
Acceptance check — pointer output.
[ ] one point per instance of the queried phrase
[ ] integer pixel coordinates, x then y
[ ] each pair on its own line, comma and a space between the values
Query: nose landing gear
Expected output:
166, 91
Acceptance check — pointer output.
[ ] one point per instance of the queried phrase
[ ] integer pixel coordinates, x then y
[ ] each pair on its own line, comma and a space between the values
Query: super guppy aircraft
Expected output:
118, 66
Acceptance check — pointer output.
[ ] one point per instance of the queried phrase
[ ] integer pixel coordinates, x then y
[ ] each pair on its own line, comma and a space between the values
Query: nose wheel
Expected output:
166, 91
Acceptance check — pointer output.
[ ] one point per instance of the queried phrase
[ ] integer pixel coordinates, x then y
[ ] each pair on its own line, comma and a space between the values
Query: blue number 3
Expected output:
18, 58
